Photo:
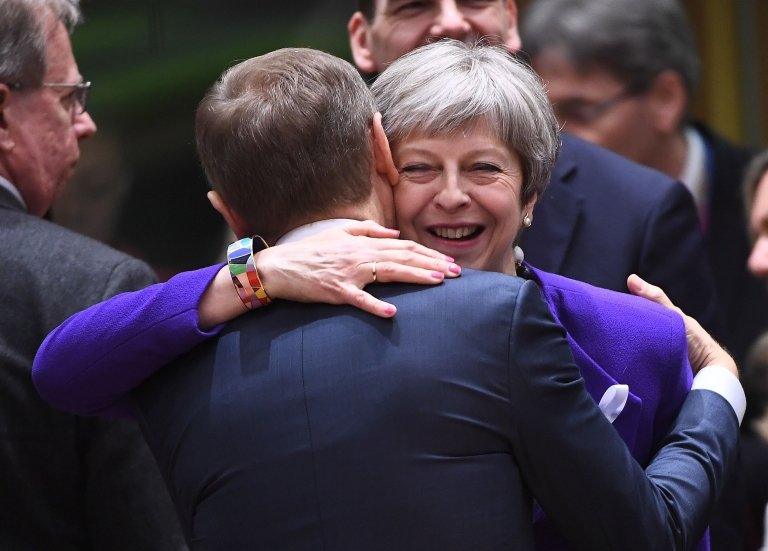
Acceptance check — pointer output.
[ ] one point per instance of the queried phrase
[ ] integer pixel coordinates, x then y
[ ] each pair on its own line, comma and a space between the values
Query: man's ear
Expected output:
6, 141
668, 101
233, 219
382, 154
513, 42
359, 43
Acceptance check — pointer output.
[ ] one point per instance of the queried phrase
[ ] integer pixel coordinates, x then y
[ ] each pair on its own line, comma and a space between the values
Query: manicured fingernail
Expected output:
390, 310
438, 275
450, 259
454, 269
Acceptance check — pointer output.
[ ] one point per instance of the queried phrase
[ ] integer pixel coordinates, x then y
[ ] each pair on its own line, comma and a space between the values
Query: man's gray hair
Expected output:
441, 88
23, 37
634, 40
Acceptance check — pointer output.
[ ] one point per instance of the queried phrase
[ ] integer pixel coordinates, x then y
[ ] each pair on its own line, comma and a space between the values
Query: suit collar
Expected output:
556, 215
9, 201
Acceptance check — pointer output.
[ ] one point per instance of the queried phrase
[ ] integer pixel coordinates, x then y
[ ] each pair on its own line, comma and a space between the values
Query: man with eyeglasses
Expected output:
601, 217
65, 482
621, 74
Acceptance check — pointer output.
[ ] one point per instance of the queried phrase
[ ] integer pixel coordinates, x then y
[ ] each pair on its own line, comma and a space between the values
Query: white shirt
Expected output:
715, 378
694, 175
13, 191
308, 230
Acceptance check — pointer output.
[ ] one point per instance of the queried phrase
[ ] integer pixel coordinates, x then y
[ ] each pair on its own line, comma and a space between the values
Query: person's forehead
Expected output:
60, 63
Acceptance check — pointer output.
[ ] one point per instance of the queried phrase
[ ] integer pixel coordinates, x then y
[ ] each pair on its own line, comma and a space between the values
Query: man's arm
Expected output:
90, 363
579, 469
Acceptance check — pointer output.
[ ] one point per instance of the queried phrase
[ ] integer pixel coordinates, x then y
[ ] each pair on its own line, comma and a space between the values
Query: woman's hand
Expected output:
332, 267
703, 350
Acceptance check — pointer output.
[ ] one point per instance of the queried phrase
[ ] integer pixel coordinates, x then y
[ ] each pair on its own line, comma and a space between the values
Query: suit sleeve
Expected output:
673, 257
89, 364
578, 467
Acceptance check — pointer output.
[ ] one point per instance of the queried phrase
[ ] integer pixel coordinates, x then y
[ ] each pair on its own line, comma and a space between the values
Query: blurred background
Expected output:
139, 186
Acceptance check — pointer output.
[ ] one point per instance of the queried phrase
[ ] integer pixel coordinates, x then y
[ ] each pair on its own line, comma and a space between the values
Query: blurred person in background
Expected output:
602, 217
753, 444
756, 203
621, 74
65, 482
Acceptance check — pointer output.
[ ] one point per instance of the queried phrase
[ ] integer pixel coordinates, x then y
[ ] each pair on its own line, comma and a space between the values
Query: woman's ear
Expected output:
234, 221
6, 141
530, 205
382, 154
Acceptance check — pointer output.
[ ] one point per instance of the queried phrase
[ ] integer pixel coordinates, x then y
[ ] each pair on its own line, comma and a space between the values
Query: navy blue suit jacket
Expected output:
604, 217
322, 427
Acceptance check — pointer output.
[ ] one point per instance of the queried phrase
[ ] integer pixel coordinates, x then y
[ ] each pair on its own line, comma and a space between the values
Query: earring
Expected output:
527, 221
519, 255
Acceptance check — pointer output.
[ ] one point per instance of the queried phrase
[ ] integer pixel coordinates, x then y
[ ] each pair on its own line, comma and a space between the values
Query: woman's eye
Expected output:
486, 167
415, 169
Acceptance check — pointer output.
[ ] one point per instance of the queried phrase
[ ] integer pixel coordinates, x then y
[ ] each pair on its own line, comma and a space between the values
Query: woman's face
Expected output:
460, 194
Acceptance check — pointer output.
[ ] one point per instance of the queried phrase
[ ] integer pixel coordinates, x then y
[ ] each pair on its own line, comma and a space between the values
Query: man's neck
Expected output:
671, 155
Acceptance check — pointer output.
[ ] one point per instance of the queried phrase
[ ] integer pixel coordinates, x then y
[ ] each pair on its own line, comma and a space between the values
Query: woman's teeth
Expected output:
455, 233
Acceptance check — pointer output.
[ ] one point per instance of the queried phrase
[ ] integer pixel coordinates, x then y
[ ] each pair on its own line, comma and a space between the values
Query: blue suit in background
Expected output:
322, 427
603, 217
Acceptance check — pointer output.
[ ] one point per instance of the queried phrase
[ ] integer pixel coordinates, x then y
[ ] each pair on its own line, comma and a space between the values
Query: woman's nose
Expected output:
452, 196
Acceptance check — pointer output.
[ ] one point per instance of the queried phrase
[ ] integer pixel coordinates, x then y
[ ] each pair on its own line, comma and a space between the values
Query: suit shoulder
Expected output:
27, 237
624, 320
613, 174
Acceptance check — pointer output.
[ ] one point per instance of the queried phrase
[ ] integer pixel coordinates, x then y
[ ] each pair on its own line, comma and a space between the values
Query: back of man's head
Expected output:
285, 139
23, 37
634, 40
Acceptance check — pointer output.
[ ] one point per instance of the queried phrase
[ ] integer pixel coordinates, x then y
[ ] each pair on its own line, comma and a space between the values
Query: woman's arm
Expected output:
90, 363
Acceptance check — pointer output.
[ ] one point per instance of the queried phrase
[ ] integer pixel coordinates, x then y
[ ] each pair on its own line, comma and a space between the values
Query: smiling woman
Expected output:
474, 140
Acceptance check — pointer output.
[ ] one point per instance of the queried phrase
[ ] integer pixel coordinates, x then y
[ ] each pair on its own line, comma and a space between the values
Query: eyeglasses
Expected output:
78, 97
80, 91
584, 112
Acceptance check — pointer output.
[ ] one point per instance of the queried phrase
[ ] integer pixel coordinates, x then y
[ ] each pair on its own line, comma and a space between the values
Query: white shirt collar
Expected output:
308, 230
13, 191
694, 175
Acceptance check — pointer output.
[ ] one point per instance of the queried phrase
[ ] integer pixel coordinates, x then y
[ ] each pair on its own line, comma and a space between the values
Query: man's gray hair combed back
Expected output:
635, 40
22, 37
442, 88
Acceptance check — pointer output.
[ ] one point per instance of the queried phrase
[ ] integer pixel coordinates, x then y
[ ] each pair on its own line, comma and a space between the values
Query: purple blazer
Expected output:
89, 366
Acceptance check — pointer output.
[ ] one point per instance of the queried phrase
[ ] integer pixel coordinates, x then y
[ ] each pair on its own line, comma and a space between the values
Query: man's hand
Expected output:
332, 267
702, 348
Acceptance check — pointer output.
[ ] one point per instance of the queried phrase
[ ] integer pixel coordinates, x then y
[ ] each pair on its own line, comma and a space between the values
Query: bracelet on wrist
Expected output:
242, 269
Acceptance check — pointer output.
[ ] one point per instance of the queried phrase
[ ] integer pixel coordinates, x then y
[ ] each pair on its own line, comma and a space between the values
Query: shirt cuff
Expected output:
722, 381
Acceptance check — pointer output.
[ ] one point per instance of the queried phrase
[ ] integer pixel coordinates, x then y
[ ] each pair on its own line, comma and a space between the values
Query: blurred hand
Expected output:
334, 266
703, 350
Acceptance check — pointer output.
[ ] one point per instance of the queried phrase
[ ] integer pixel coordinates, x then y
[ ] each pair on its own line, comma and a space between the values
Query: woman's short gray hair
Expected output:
440, 88
22, 37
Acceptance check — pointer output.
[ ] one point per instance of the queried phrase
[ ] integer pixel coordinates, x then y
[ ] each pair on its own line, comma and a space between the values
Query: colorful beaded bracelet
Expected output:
243, 271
